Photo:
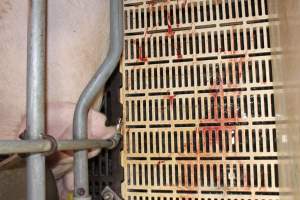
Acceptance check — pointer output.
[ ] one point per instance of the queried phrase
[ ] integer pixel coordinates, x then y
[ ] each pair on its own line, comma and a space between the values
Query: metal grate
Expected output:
198, 104
105, 170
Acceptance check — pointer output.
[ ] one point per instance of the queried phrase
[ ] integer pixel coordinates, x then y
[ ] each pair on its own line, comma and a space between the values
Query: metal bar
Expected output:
24, 146
90, 92
43, 146
83, 144
35, 119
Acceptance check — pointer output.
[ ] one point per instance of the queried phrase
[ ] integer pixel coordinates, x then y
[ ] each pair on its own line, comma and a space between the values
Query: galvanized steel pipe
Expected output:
35, 105
65, 145
44, 146
24, 146
89, 94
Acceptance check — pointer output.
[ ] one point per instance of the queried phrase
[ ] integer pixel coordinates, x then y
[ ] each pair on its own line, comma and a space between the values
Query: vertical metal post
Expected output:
35, 115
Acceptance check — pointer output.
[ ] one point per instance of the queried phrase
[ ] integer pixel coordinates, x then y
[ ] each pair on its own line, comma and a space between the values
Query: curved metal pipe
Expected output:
89, 94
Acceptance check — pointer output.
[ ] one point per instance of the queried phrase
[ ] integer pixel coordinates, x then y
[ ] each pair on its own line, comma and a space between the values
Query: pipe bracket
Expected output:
53, 143
115, 140
51, 139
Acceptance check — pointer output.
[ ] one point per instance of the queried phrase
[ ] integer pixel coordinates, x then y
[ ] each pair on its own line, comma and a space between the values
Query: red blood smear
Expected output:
160, 162
170, 30
241, 66
232, 40
152, 2
171, 98
222, 120
218, 1
141, 56
178, 54
245, 180
146, 32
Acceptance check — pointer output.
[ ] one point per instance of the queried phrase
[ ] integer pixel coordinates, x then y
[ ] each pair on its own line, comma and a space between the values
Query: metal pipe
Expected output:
35, 105
89, 94
83, 144
44, 146
24, 146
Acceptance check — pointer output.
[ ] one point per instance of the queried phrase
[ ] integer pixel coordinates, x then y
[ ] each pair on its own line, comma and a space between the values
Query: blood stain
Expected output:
141, 56
170, 32
160, 162
171, 99
178, 53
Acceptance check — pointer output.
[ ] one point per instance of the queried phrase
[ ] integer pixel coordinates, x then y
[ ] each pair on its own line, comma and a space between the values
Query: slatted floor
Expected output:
198, 103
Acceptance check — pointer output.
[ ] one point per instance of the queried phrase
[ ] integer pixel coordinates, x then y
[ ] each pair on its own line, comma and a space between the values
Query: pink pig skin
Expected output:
60, 122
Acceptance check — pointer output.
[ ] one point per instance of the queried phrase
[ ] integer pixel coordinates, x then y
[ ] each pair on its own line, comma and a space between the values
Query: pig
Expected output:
77, 43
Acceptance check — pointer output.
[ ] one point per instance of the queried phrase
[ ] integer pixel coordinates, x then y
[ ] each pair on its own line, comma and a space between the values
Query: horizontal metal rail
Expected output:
24, 146
83, 144
45, 145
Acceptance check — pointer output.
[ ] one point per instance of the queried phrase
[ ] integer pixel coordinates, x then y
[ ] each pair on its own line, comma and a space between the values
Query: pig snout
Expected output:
59, 125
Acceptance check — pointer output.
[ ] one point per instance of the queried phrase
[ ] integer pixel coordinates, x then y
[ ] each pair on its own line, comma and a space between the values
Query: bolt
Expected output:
108, 196
80, 191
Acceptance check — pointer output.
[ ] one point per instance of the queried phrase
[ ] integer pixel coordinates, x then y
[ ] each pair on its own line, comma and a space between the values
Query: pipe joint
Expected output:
115, 140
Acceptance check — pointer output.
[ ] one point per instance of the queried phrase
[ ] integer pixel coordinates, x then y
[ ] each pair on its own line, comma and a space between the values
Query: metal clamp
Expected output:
115, 140
51, 139
53, 142
117, 137
109, 194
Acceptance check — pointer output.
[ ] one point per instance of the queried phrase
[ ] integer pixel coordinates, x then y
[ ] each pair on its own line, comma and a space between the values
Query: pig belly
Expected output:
77, 42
